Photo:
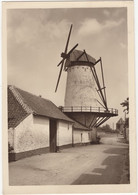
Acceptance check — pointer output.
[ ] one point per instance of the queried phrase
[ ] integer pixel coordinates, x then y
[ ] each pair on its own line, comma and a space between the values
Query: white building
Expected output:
81, 134
35, 125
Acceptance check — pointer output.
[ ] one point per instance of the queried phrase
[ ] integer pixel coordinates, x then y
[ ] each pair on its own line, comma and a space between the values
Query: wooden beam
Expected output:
80, 55
103, 79
97, 80
98, 85
100, 88
101, 104
95, 122
92, 120
86, 55
100, 120
103, 121
59, 75
97, 62
99, 95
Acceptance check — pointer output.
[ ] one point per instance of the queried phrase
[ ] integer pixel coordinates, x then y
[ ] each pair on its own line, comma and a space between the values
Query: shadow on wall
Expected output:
113, 172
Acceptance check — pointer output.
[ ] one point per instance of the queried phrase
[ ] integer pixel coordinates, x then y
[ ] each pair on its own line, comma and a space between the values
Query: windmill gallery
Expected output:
36, 125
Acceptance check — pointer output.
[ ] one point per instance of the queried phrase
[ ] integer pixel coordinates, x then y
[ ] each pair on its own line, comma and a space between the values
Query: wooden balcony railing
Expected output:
88, 109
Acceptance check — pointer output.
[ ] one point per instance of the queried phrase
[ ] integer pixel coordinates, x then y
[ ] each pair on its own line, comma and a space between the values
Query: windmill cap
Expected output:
75, 55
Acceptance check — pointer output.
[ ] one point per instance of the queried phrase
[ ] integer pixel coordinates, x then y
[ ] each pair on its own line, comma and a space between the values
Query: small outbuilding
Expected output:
35, 125
81, 134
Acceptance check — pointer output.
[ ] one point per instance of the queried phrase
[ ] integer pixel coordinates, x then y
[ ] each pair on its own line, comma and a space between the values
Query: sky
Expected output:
36, 38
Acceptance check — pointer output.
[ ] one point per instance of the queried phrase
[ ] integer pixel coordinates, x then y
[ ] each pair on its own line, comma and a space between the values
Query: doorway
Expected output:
53, 135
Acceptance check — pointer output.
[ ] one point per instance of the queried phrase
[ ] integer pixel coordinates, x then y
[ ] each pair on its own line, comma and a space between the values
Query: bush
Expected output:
10, 148
98, 138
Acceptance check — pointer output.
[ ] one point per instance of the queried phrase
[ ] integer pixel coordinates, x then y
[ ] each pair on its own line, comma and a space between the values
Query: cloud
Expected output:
27, 28
106, 13
118, 13
92, 26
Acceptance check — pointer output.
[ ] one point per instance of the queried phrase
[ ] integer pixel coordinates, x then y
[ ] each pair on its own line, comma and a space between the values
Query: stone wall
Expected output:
80, 88
32, 133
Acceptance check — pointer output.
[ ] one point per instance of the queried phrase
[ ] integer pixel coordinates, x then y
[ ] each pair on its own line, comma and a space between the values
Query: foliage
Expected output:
106, 128
10, 148
125, 103
126, 123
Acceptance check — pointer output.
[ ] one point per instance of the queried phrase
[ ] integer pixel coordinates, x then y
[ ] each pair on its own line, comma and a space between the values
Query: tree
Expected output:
125, 104
106, 128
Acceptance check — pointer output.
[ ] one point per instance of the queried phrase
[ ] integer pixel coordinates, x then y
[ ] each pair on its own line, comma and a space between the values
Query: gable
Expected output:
15, 111
25, 103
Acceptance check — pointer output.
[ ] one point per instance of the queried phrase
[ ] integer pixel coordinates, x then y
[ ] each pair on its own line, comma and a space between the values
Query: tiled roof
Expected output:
78, 126
28, 103
16, 113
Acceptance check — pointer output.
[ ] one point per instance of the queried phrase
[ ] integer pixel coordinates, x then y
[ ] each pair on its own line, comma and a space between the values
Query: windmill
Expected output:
81, 102
65, 55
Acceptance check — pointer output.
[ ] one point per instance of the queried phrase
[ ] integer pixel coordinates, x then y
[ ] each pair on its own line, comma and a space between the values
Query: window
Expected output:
81, 137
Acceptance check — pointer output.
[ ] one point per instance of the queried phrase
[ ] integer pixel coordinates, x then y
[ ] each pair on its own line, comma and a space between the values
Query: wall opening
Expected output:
53, 135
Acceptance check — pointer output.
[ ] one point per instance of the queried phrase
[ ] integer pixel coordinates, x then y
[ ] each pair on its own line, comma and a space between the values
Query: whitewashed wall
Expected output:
80, 136
64, 133
41, 131
11, 137
80, 87
32, 133
76, 136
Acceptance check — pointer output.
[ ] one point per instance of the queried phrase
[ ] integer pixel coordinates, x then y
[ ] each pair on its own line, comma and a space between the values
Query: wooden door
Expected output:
53, 135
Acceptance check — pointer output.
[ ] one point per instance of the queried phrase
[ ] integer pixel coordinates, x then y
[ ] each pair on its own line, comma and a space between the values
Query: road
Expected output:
105, 163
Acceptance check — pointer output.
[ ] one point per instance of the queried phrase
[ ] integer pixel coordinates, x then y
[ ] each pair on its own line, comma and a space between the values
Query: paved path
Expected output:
104, 163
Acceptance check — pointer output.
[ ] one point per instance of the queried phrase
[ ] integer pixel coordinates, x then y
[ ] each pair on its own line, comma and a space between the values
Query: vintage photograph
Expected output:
68, 96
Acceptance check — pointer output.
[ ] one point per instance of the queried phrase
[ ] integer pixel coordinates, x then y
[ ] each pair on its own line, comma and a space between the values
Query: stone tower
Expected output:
80, 86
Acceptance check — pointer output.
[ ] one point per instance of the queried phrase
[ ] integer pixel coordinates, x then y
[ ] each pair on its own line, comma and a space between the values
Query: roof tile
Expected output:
16, 113
27, 103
